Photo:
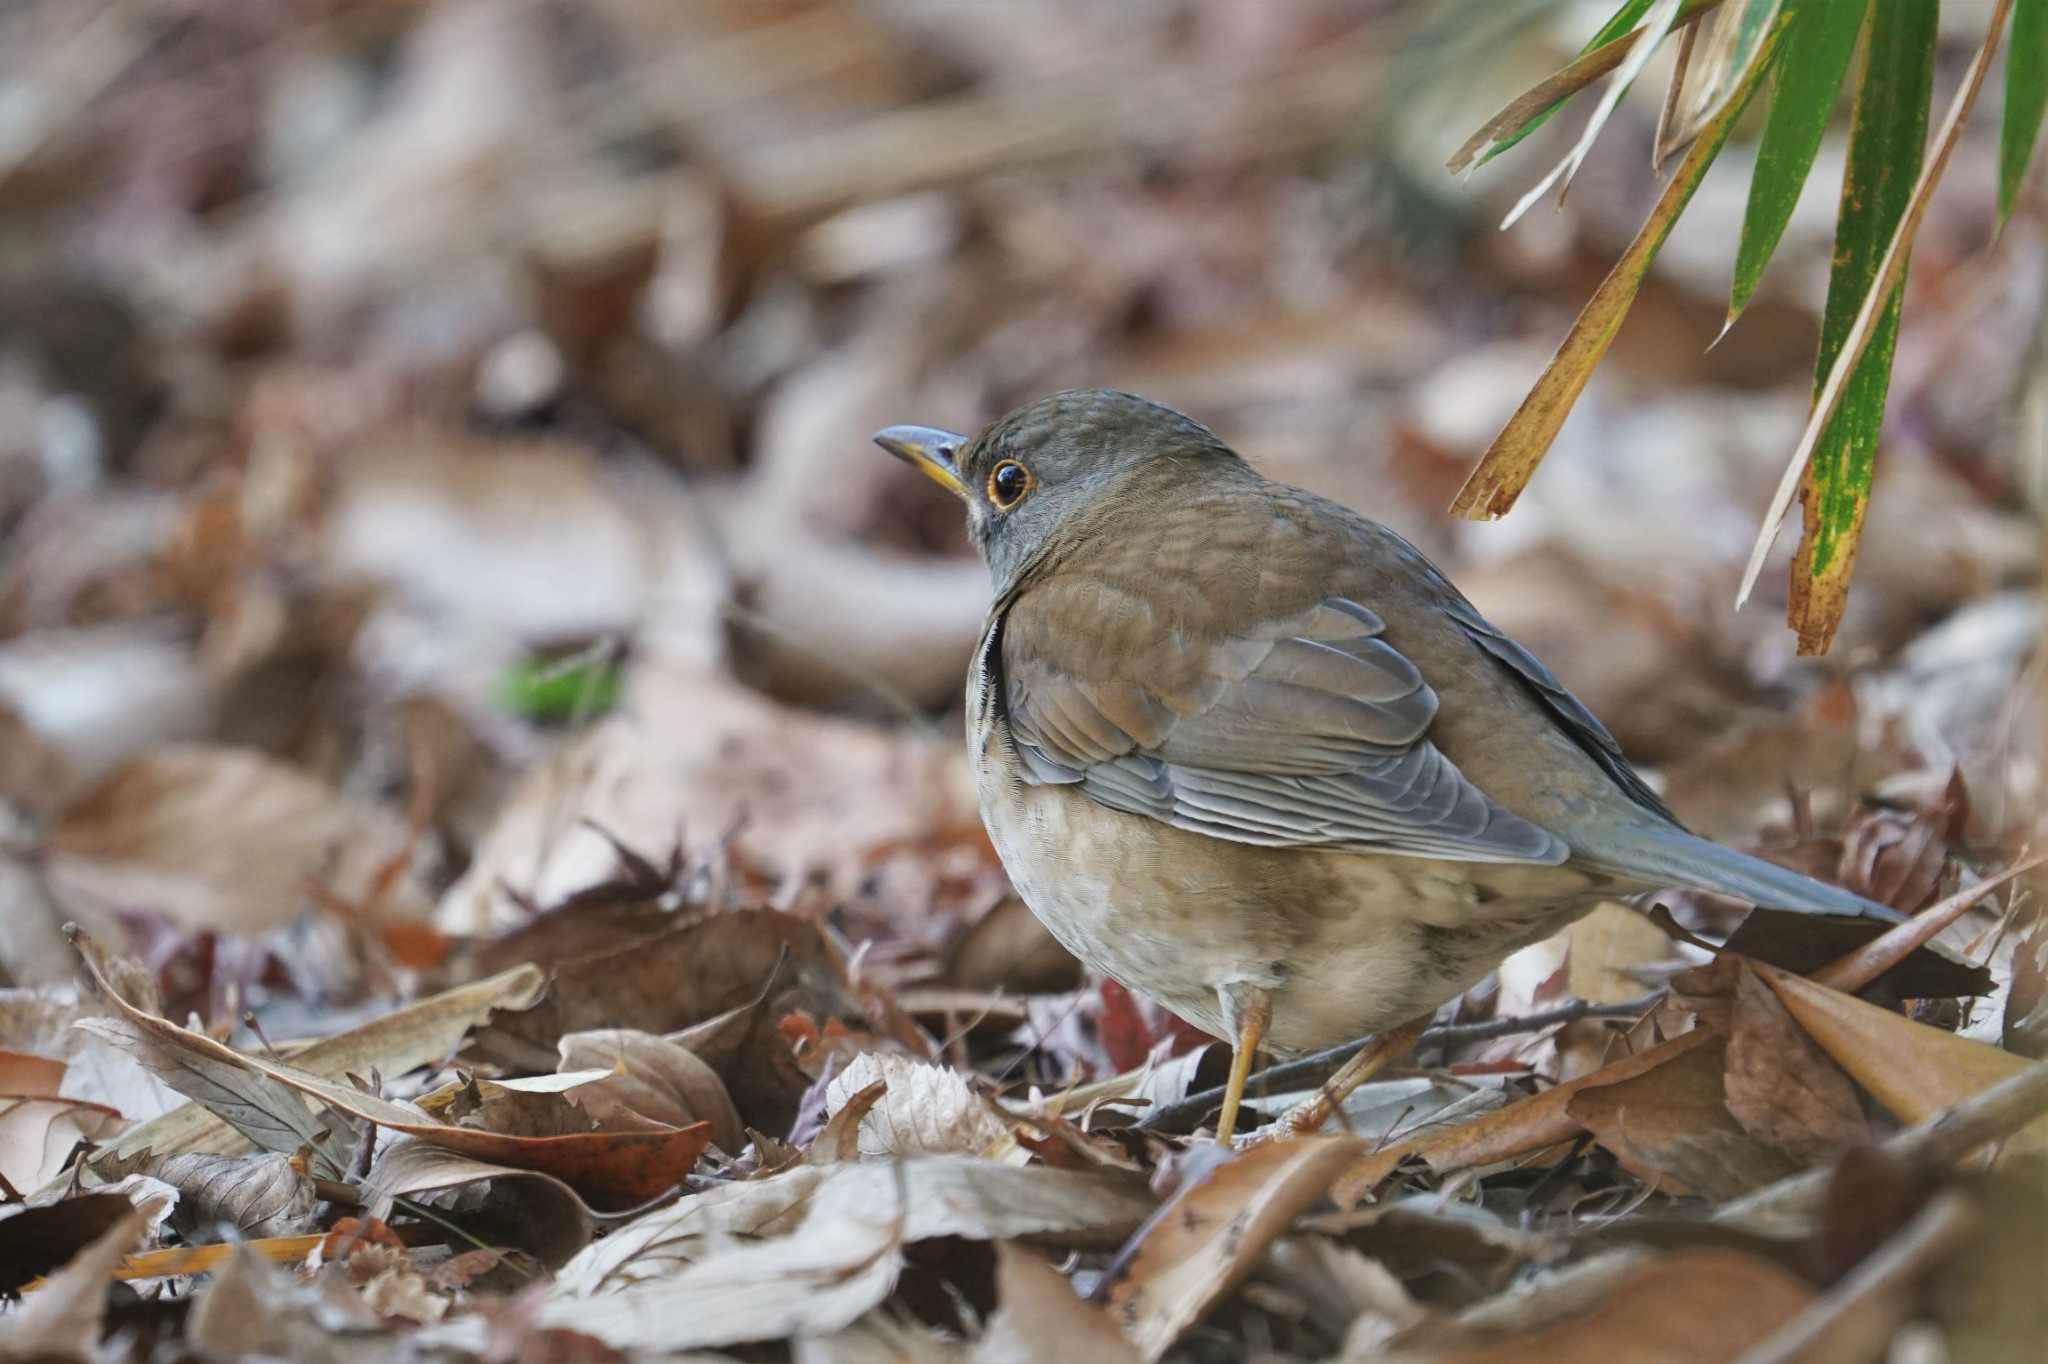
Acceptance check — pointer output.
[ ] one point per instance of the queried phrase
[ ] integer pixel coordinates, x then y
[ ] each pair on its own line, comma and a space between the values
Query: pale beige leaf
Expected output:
1039, 1316
37, 1135
927, 1110
220, 838
261, 1195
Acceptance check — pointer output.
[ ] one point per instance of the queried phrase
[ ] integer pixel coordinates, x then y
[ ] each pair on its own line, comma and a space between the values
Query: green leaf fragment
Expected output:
2026, 99
1887, 140
1818, 48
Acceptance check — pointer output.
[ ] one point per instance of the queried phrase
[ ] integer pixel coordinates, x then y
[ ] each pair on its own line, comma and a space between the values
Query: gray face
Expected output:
1039, 468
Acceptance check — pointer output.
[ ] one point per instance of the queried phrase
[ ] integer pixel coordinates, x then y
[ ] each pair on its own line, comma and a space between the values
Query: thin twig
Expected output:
1317, 1067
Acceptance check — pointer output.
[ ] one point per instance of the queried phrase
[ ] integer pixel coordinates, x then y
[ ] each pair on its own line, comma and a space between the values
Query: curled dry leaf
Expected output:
927, 1109
425, 1032
651, 1078
1207, 1237
535, 1212
839, 1139
220, 838
614, 1169
809, 1250
39, 1128
261, 1195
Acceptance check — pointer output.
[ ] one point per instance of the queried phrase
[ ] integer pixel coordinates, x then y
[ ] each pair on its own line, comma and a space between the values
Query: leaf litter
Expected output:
494, 724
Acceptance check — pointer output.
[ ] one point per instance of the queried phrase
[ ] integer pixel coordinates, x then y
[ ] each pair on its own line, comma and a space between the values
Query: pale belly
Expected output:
1344, 943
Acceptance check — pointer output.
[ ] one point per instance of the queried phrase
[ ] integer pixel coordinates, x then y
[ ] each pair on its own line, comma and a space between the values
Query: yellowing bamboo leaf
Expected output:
1912, 1069
1512, 458
1818, 600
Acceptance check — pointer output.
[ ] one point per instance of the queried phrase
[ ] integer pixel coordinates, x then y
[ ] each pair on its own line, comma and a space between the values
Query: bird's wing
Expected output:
1306, 730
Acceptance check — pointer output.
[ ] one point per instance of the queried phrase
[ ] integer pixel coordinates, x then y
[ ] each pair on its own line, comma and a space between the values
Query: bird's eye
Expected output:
1007, 484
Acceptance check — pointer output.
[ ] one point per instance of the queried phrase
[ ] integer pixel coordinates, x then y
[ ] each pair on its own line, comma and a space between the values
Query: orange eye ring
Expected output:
1008, 484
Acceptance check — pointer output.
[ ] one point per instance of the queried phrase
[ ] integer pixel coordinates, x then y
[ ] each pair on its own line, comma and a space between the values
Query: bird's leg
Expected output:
1252, 1010
1310, 1114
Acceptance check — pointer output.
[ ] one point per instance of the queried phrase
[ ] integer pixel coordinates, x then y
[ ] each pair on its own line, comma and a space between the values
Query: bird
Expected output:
1251, 754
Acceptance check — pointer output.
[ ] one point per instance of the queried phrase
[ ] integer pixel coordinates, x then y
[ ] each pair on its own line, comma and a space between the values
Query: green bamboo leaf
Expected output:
2026, 99
1817, 52
1887, 140
1512, 458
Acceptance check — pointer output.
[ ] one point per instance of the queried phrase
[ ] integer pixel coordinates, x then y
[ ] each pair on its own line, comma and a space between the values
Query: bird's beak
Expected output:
929, 450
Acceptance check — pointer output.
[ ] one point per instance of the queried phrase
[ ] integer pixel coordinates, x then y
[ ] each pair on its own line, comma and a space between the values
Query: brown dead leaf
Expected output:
1670, 1125
535, 1212
927, 1109
1040, 1317
1781, 1087
62, 1319
261, 1195
1910, 1068
613, 1169
1527, 1125
425, 1032
39, 1239
839, 1139
653, 1079
220, 838
1693, 1307
1207, 1237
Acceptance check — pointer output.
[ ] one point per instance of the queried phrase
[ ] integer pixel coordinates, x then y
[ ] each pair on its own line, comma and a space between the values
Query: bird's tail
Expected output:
1669, 856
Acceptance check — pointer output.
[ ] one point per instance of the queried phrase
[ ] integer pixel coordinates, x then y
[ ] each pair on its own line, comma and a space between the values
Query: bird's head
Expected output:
1053, 468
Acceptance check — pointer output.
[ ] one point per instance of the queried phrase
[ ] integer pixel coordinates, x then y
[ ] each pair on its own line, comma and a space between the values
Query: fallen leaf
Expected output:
535, 1212
425, 1032
38, 1129
1040, 1317
652, 1078
260, 1195
1671, 1126
613, 1169
1780, 1086
62, 1318
1206, 1238
1910, 1068
1526, 1125
220, 838
252, 1308
1692, 1307
927, 1110
37, 1240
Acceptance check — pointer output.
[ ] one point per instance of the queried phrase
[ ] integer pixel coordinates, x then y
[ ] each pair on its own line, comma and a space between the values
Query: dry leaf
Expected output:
38, 1128
1780, 1086
651, 1078
1207, 1237
1693, 1307
220, 838
261, 1195
928, 1109
62, 1318
1910, 1068
1671, 1126
1526, 1125
425, 1032
40, 1238
1040, 1317
535, 1212
613, 1169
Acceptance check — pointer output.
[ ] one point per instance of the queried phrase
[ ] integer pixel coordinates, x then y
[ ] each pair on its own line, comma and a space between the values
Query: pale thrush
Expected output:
1253, 755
